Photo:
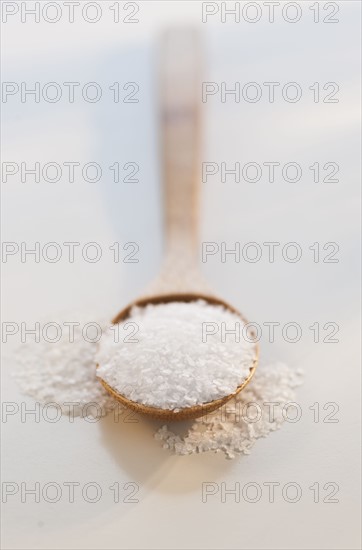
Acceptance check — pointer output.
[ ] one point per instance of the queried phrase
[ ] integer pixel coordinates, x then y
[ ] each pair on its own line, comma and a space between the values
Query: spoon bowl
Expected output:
194, 411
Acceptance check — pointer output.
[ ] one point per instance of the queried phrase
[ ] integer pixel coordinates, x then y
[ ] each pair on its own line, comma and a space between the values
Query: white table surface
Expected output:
170, 512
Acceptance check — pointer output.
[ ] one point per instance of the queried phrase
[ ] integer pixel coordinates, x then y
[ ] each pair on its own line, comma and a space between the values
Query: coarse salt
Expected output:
65, 372
179, 355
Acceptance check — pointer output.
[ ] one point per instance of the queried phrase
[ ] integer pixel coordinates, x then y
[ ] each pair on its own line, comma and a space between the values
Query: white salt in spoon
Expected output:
180, 279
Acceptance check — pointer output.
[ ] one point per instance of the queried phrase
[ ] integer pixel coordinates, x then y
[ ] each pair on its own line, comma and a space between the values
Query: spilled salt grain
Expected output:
177, 356
63, 372
233, 429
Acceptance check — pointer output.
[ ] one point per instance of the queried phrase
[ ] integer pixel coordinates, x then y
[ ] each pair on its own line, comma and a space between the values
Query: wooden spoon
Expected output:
180, 279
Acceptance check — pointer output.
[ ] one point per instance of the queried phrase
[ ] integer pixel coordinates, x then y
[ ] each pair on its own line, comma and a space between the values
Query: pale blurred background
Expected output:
170, 513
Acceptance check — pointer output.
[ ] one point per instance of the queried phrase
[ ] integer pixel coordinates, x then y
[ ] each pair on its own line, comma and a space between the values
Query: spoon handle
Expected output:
180, 78
180, 132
